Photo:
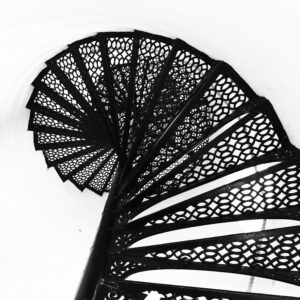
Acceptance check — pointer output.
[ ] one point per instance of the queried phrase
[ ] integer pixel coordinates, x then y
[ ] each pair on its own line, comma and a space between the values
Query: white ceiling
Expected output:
46, 226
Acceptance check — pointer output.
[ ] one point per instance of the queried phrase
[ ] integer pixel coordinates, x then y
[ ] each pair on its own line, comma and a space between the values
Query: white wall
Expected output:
46, 226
